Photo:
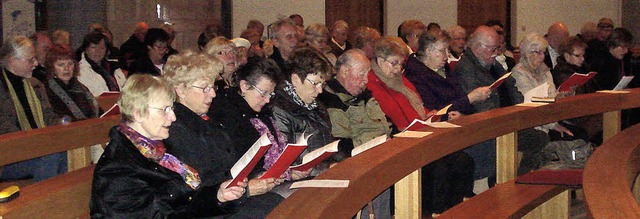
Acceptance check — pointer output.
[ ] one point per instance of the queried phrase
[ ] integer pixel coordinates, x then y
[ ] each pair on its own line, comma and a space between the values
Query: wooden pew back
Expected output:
377, 169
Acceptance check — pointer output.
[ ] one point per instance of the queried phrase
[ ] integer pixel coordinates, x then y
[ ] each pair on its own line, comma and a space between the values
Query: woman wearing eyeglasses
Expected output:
570, 61
242, 114
224, 50
156, 48
137, 178
530, 73
446, 181
295, 108
194, 140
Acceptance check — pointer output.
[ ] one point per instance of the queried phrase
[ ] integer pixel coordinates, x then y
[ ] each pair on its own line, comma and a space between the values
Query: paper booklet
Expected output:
114, 110
430, 120
623, 82
575, 80
249, 160
541, 91
412, 134
369, 144
498, 82
286, 158
316, 157
320, 183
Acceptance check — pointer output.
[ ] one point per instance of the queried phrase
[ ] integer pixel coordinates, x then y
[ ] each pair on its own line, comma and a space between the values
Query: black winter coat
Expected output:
128, 185
205, 148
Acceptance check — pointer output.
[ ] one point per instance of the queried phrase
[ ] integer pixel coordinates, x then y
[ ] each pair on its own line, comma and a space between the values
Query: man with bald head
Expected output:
134, 47
556, 34
478, 68
356, 117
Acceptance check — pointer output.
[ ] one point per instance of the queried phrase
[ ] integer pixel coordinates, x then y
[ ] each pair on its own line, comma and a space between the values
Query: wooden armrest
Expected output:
63, 196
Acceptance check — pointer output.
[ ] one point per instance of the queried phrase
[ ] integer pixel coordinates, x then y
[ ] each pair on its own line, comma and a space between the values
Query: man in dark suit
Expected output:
478, 68
556, 34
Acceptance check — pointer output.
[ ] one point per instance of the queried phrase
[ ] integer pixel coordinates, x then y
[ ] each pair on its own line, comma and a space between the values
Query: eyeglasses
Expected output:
395, 63
224, 53
164, 110
539, 52
492, 48
315, 83
30, 60
262, 93
161, 47
206, 89
577, 55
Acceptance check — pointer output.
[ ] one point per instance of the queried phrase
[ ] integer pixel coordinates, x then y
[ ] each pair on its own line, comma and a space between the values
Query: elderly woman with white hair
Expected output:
457, 43
317, 37
531, 72
224, 50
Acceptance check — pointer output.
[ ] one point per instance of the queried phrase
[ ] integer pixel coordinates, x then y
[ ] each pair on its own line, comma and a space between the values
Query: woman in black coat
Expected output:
137, 178
242, 113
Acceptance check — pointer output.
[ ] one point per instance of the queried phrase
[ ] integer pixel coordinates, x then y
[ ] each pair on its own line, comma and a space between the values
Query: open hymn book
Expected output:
249, 160
286, 158
369, 144
575, 80
432, 120
316, 157
498, 82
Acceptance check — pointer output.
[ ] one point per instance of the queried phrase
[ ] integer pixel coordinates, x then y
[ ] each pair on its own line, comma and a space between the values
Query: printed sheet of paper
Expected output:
436, 116
539, 91
623, 82
316, 157
613, 91
442, 125
368, 145
249, 160
412, 134
532, 104
320, 183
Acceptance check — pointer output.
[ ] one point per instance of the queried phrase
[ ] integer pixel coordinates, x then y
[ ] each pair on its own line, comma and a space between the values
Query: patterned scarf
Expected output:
32, 99
155, 150
276, 148
71, 105
108, 78
291, 91
396, 83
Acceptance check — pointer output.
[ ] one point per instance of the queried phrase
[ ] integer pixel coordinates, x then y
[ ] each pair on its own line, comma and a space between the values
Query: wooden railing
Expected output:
64, 196
610, 174
375, 170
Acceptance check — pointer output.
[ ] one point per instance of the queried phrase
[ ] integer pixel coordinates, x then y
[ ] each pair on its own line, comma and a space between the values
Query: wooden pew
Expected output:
373, 171
610, 175
64, 196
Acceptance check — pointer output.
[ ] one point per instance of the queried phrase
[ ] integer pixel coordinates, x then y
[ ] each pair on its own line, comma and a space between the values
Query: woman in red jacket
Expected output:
445, 182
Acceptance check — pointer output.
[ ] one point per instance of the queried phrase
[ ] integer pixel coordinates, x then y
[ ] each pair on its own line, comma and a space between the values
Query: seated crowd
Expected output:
188, 116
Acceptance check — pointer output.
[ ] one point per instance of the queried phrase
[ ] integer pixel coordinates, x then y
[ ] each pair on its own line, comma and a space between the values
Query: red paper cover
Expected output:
288, 156
314, 162
247, 169
575, 80
571, 177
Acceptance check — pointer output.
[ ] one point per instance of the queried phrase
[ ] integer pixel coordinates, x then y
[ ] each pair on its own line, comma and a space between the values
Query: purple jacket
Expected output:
437, 92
